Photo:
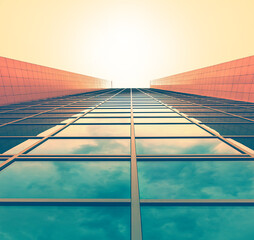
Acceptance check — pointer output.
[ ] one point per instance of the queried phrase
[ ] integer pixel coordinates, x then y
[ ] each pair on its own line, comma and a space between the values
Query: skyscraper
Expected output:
127, 164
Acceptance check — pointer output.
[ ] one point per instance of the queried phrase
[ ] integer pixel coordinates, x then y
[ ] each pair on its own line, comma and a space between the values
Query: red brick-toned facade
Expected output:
231, 80
22, 81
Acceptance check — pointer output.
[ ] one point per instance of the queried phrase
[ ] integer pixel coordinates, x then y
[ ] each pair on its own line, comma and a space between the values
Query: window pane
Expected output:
103, 115
13, 146
96, 130
161, 130
77, 222
233, 129
196, 180
103, 120
183, 146
156, 114
83, 146
27, 130
197, 223
68, 179
161, 120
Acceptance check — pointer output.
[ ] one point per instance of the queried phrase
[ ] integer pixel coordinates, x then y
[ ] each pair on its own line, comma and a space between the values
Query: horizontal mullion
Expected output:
197, 202
71, 158
63, 202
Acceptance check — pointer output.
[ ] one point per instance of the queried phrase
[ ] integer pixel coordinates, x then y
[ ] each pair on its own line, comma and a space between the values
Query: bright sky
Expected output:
127, 41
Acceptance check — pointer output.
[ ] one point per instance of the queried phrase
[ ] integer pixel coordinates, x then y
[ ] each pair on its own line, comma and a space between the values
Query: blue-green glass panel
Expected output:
83, 146
13, 146
166, 130
183, 146
72, 179
196, 180
27, 130
199, 223
77, 222
96, 130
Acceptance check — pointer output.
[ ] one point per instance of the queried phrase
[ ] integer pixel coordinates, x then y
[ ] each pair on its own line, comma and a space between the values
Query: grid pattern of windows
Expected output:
231, 80
127, 164
22, 81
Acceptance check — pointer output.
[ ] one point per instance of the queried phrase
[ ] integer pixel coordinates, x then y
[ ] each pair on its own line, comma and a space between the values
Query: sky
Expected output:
129, 42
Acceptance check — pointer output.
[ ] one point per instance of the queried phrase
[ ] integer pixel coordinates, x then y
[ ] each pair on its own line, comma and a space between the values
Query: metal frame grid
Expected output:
132, 101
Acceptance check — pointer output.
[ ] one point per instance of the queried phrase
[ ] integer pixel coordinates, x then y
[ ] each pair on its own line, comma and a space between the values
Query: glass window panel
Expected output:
43, 120
153, 110
68, 179
247, 141
196, 180
103, 120
199, 223
96, 130
161, 120
14, 115
84, 146
6, 120
60, 115
27, 130
183, 146
207, 114
221, 120
14, 146
169, 130
101, 110
233, 129
72, 222
115, 115
156, 114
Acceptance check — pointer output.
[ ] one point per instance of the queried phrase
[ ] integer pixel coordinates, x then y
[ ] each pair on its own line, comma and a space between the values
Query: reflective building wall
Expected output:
22, 81
231, 80
127, 164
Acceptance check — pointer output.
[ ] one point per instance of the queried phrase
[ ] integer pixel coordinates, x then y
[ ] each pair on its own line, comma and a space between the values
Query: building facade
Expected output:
231, 80
127, 164
22, 82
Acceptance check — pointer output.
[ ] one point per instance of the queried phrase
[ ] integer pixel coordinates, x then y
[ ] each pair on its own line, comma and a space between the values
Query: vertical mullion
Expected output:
136, 232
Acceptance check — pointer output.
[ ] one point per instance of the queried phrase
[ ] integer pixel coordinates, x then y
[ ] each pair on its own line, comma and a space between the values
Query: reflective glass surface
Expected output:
196, 180
183, 146
103, 120
120, 110
83, 146
52, 222
26, 130
115, 115
161, 130
96, 130
14, 146
68, 179
199, 223
152, 110
160, 120
152, 114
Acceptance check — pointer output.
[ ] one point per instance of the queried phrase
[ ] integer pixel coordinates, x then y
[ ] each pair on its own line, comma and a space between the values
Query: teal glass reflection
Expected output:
196, 180
103, 115
96, 130
199, 223
27, 130
77, 222
183, 146
166, 130
103, 120
160, 120
13, 146
72, 179
83, 146
154, 114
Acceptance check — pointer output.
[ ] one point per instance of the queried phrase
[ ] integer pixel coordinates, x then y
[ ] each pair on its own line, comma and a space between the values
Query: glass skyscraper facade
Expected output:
127, 164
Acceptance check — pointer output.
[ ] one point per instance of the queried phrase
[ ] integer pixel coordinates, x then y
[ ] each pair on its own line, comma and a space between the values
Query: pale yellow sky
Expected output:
129, 42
